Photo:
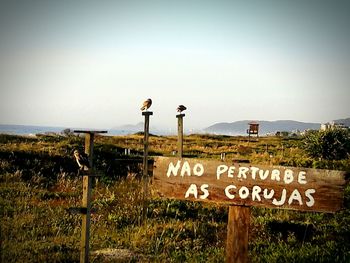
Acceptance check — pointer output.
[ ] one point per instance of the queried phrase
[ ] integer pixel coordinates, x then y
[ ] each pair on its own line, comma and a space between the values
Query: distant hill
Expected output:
346, 121
240, 127
233, 128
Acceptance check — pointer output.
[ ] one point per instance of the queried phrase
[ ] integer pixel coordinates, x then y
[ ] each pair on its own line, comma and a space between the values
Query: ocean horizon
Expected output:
32, 130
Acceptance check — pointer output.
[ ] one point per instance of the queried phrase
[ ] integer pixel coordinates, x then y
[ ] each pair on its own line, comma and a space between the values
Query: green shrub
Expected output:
333, 144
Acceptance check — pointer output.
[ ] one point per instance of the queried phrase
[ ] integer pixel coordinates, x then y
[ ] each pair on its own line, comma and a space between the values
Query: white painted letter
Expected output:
255, 193
268, 195
254, 171
220, 170
275, 175
231, 171
173, 169
302, 177
192, 190
308, 193
227, 191
288, 176
186, 168
263, 174
242, 172
243, 192
198, 169
283, 198
204, 189
295, 196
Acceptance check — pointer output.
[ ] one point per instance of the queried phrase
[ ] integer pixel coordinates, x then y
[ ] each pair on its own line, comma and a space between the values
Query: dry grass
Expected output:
38, 183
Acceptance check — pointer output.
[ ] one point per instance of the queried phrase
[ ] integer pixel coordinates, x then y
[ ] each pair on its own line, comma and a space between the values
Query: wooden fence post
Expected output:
87, 186
180, 134
86, 201
237, 234
145, 165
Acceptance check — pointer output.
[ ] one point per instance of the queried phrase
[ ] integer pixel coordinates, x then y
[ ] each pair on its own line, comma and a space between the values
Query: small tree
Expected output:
67, 132
332, 144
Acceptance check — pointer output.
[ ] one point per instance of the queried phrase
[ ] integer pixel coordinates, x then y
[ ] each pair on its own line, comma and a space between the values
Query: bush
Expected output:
333, 144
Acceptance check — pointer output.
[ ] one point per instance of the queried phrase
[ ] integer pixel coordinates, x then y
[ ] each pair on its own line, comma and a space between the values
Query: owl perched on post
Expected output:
181, 108
82, 159
146, 104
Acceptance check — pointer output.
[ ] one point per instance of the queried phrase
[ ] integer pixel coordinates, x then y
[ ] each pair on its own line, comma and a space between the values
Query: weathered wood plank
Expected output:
249, 185
89, 131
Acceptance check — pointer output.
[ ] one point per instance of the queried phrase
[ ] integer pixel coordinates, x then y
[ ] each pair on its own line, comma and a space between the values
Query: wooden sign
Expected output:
249, 185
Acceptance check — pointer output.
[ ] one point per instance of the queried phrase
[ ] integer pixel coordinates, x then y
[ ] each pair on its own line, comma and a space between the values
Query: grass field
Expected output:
39, 182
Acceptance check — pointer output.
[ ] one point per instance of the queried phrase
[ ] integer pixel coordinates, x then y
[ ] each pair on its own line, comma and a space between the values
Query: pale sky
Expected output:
92, 63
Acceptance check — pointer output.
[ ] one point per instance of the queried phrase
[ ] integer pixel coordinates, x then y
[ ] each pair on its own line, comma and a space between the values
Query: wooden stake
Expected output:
87, 182
237, 234
222, 157
86, 204
145, 165
180, 134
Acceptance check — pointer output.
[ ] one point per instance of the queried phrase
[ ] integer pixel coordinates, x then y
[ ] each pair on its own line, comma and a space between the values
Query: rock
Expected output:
114, 255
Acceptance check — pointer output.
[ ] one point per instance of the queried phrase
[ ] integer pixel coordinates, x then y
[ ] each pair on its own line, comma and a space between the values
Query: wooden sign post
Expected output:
180, 134
237, 234
86, 202
145, 165
245, 185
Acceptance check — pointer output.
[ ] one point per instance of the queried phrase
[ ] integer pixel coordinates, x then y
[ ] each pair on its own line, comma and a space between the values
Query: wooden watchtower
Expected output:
253, 129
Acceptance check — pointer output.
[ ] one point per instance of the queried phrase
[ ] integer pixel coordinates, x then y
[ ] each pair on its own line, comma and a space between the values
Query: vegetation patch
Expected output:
39, 183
